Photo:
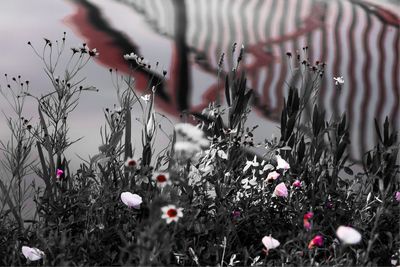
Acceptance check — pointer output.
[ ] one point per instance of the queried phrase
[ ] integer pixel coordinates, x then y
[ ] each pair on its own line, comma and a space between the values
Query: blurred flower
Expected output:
59, 172
297, 184
188, 130
348, 235
397, 196
130, 162
131, 200
282, 164
161, 178
186, 149
252, 163
272, 176
145, 98
306, 220
281, 190
270, 243
32, 254
118, 109
93, 52
171, 213
317, 241
338, 80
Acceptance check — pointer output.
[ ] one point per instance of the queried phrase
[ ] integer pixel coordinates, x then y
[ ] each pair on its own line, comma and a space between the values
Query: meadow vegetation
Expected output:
210, 197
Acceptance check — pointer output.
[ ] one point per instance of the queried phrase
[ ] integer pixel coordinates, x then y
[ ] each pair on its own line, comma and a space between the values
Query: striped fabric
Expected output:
358, 41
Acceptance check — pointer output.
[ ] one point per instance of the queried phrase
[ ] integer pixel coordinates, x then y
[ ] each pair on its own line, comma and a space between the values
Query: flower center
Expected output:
131, 163
172, 213
161, 178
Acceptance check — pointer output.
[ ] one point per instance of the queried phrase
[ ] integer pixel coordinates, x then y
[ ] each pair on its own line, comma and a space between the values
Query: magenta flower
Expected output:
59, 172
272, 176
281, 190
397, 196
306, 220
297, 184
317, 241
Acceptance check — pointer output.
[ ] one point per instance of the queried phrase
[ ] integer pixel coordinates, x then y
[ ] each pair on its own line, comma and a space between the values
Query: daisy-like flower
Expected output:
130, 163
59, 172
145, 98
338, 80
32, 254
317, 241
281, 190
296, 184
306, 220
270, 243
282, 164
171, 213
131, 200
397, 196
252, 163
161, 178
272, 176
348, 235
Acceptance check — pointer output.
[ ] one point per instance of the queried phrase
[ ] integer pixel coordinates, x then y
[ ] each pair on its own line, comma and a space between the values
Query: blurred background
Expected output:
358, 40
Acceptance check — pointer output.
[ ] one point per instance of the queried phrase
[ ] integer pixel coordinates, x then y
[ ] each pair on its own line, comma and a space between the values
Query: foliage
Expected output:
228, 203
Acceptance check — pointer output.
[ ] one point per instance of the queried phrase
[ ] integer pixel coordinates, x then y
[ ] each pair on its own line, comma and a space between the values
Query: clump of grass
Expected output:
209, 198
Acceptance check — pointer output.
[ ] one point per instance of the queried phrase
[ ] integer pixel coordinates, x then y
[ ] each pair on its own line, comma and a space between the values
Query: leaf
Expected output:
227, 93
378, 131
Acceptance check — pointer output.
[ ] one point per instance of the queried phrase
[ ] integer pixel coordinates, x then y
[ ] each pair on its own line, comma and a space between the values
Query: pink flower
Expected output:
282, 164
270, 243
272, 176
317, 241
348, 235
59, 172
297, 184
281, 190
32, 254
131, 200
397, 196
306, 220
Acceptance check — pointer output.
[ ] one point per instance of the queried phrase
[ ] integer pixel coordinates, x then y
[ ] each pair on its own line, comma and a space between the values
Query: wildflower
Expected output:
348, 235
32, 254
397, 196
338, 80
317, 241
282, 164
253, 163
131, 200
306, 220
247, 184
93, 52
270, 243
272, 176
130, 163
161, 178
59, 172
281, 190
171, 213
145, 98
297, 184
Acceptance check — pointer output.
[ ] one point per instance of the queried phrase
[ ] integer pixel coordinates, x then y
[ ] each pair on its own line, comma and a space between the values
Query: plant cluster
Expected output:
210, 197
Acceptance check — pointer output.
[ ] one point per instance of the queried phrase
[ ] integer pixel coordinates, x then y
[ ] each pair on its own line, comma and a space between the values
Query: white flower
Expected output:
145, 98
32, 254
348, 235
161, 178
338, 80
247, 184
118, 109
253, 163
282, 164
130, 163
270, 242
171, 213
131, 200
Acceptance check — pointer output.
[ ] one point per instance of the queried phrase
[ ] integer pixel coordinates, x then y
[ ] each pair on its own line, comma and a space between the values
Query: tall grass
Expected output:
221, 195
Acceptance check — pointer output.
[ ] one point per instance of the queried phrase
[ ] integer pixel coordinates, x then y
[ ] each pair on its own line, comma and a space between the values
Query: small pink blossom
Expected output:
270, 243
272, 176
397, 196
317, 241
131, 200
281, 190
59, 172
296, 184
